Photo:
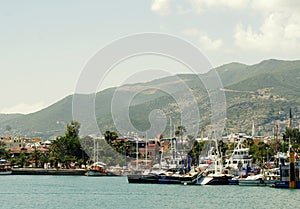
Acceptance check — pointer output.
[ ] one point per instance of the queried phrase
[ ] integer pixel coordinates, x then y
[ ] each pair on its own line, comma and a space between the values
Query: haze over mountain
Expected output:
262, 93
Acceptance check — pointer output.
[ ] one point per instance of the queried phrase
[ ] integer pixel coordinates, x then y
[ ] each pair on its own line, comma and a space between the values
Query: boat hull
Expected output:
180, 179
93, 173
5, 172
285, 184
169, 179
256, 182
215, 180
143, 179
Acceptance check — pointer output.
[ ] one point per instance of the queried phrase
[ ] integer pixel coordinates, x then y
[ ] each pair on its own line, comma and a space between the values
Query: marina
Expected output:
233, 169
154, 104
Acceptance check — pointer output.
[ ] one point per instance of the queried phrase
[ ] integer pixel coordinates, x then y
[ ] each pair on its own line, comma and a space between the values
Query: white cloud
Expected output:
268, 28
275, 6
23, 108
203, 41
203, 5
161, 7
182, 10
280, 30
265, 6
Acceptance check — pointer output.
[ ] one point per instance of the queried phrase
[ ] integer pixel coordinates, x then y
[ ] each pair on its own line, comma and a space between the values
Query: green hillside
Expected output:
6, 117
263, 93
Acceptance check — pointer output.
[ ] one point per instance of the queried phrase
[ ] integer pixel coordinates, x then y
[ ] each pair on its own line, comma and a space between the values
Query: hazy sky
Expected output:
44, 45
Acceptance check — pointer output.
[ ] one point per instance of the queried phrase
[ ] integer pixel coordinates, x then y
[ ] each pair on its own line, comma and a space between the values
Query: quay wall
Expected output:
41, 171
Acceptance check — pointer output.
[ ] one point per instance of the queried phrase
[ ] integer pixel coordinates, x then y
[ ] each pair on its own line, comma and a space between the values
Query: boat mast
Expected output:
97, 152
137, 153
218, 166
217, 156
146, 149
94, 150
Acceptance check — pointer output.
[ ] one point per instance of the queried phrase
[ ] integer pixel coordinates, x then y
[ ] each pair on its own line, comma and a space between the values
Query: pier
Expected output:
41, 171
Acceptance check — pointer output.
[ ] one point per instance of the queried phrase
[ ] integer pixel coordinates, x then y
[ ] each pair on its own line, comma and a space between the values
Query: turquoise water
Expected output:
115, 192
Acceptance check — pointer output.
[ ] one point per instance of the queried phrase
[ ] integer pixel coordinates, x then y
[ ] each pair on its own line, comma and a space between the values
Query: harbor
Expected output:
150, 104
209, 170
251, 162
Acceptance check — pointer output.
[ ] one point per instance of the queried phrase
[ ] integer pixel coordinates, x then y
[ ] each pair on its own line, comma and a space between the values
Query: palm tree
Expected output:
35, 155
22, 159
44, 158
13, 161
179, 132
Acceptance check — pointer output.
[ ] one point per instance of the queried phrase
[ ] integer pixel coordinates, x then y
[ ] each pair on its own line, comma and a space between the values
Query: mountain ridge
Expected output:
271, 83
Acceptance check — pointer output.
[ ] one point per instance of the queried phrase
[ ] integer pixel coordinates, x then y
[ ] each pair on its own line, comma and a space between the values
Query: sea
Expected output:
25, 191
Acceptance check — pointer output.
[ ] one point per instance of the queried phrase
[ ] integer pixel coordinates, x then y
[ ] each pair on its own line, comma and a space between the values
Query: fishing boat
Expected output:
289, 173
99, 169
178, 176
214, 178
258, 180
240, 160
216, 175
5, 167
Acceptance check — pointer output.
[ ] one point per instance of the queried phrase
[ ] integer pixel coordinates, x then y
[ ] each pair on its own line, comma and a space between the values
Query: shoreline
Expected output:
42, 171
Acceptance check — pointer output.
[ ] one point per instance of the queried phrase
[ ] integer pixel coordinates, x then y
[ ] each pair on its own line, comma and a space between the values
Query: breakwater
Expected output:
41, 171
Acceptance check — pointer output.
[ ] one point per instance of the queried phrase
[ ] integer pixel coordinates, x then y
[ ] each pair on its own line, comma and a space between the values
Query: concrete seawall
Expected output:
40, 171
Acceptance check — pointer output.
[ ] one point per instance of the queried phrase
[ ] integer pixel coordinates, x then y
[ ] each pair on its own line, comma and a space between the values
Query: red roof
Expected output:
27, 150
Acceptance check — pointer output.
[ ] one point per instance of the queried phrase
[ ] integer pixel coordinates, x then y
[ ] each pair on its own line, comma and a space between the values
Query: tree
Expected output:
110, 137
190, 141
73, 129
36, 155
180, 131
2, 144
44, 158
22, 159
3, 153
66, 149
262, 154
292, 135
196, 150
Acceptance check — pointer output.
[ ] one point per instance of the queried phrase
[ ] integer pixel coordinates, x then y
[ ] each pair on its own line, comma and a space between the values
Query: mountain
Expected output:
262, 93
6, 117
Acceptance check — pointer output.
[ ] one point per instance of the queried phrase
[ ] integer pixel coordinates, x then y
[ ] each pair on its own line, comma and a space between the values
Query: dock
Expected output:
41, 171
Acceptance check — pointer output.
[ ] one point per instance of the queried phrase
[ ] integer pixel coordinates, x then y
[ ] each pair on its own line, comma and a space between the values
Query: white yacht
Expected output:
240, 158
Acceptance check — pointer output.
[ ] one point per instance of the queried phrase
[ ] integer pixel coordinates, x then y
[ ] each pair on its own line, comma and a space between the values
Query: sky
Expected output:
44, 45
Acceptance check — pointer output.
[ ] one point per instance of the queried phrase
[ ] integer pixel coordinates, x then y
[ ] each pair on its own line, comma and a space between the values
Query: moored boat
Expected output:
240, 160
215, 179
99, 169
289, 174
150, 178
5, 167
216, 175
179, 177
257, 180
